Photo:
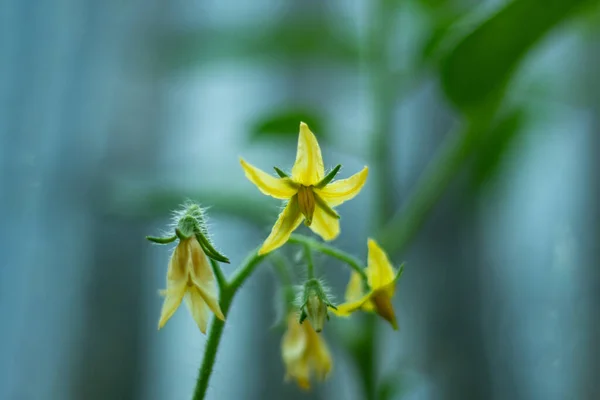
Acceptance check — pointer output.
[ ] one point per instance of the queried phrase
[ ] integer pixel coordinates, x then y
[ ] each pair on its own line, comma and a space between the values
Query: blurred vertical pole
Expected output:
107, 362
590, 388
455, 354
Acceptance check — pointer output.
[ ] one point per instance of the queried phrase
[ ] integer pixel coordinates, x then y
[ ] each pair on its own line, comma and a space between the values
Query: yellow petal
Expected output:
354, 290
379, 269
294, 341
300, 371
173, 296
293, 351
204, 279
198, 308
178, 265
288, 220
324, 224
319, 354
382, 304
343, 190
347, 308
280, 188
308, 168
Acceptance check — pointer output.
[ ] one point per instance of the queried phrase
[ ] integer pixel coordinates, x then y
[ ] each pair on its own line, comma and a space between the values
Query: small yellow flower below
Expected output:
310, 194
190, 276
304, 353
382, 282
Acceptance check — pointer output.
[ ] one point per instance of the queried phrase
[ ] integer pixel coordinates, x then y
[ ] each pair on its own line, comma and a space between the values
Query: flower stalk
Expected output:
324, 248
228, 290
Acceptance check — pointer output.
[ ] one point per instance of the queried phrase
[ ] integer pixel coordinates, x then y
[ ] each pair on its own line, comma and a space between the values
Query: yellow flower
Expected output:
190, 276
311, 195
304, 353
382, 282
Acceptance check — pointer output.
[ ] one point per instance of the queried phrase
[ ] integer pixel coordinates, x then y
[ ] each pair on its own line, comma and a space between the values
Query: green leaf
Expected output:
294, 39
494, 146
285, 123
476, 72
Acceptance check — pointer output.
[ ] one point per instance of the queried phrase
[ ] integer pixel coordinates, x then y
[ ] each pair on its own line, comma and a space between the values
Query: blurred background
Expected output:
479, 120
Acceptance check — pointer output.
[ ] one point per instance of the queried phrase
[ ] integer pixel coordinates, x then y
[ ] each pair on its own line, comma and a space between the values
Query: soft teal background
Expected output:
112, 113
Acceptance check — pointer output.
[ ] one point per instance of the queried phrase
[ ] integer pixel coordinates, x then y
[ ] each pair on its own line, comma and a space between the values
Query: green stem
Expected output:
221, 280
242, 273
349, 259
309, 261
228, 291
364, 352
212, 346
283, 271
402, 228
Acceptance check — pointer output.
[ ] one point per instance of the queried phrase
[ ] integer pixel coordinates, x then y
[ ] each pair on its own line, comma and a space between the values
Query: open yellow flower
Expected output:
190, 276
310, 193
304, 353
382, 282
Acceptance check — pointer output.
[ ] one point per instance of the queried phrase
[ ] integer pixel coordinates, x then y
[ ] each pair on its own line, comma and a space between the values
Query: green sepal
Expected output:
325, 207
210, 250
313, 288
162, 240
180, 234
329, 177
303, 316
399, 273
281, 173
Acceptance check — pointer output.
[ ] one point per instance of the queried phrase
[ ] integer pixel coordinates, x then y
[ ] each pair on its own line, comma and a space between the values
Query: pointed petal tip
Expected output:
220, 315
333, 237
303, 125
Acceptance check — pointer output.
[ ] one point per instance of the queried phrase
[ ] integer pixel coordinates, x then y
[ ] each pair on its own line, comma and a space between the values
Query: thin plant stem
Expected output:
212, 346
310, 265
398, 232
282, 268
242, 273
349, 259
227, 294
221, 280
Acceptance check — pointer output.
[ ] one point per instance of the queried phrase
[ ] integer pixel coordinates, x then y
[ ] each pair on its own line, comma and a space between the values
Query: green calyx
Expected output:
190, 221
162, 240
325, 207
314, 304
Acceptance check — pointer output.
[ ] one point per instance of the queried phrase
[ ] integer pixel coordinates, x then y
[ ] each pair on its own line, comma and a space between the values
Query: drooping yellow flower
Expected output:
190, 276
311, 195
382, 282
304, 353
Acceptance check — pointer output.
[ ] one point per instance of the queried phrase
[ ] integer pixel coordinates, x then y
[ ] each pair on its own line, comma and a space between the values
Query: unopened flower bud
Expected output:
316, 311
314, 304
191, 221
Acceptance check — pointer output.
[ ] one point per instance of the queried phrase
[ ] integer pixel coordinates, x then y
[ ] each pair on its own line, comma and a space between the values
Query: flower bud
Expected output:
314, 304
191, 221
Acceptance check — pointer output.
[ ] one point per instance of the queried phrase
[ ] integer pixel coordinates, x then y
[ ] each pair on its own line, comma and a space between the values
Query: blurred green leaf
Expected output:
432, 47
285, 124
293, 39
397, 384
477, 70
494, 146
